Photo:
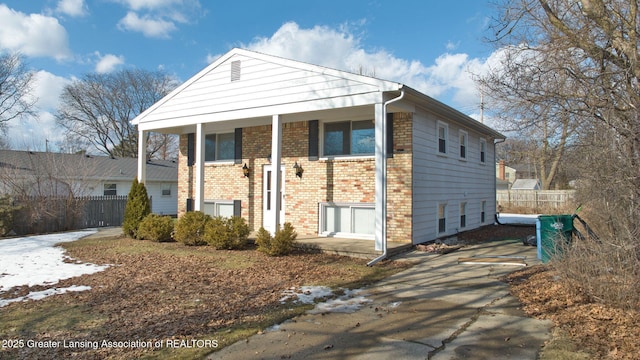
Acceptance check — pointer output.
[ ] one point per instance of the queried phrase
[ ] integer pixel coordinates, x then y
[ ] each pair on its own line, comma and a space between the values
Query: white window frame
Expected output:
351, 206
115, 189
463, 215
483, 211
463, 138
442, 209
483, 151
216, 152
165, 189
323, 156
445, 138
216, 206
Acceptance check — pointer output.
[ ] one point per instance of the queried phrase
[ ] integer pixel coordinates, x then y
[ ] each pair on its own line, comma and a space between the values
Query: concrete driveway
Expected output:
438, 309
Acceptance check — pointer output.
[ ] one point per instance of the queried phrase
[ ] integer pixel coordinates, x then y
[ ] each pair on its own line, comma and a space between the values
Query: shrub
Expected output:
156, 228
7, 214
190, 228
280, 244
138, 206
227, 233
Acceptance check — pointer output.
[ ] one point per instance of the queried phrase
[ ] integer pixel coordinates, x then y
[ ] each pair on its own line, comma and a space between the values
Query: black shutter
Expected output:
237, 208
189, 205
313, 140
389, 135
238, 146
191, 158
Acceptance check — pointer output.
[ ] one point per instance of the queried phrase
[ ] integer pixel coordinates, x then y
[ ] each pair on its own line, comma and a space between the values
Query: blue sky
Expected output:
433, 46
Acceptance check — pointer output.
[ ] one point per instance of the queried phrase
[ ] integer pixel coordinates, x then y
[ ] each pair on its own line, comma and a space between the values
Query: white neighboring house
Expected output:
56, 174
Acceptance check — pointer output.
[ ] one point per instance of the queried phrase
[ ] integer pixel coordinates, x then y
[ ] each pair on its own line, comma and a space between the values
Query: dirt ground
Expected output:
169, 295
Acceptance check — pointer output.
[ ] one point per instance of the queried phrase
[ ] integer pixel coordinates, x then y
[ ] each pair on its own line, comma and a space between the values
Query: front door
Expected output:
266, 196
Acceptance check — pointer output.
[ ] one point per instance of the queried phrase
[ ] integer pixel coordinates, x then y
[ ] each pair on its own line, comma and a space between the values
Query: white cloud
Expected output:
149, 4
150, 27
73, 8
33, 34
108, 63
48, 88
450, 76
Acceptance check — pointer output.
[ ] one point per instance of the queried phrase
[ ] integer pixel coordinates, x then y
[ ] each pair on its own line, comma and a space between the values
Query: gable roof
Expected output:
83, 167
245, 84
526, 184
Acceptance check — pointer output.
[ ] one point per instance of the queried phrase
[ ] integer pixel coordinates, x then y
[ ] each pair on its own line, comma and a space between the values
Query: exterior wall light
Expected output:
245, 170
298, 169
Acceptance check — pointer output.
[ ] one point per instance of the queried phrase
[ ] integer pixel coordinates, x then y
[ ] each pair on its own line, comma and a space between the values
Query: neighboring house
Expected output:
55, 174
505, 176
526, 184
357, 156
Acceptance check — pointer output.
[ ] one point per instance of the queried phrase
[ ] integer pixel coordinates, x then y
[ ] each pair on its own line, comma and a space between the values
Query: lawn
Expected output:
167, 300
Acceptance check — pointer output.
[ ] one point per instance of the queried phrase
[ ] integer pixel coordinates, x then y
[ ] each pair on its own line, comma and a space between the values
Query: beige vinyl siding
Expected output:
446, 178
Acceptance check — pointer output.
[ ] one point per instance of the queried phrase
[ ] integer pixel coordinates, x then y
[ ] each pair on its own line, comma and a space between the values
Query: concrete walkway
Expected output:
438, 309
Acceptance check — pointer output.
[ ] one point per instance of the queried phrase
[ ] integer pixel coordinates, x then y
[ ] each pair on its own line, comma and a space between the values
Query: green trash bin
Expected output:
550, 230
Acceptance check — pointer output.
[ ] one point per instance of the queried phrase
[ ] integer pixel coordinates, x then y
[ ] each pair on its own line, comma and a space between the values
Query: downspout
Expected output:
495, 186
384, 179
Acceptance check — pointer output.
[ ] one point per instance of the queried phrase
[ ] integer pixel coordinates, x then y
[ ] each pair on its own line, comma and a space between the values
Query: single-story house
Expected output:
352, 155
57, 174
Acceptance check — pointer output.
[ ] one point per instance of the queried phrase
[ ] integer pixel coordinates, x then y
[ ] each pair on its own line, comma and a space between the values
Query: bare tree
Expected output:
571, 69
575, 65
99, 107
15, 87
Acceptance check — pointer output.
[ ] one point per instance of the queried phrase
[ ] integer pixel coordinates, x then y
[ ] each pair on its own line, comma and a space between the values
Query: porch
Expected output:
350, 247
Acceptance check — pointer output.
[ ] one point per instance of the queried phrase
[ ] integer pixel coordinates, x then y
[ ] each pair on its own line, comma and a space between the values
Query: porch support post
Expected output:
199, 173
142, 156
276, 176
381, 177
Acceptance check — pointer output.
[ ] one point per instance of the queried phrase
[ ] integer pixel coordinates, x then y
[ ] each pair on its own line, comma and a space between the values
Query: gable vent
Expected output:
235, 70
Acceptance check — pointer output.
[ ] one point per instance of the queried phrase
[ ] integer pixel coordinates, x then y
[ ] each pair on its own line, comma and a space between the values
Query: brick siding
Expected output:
341, 180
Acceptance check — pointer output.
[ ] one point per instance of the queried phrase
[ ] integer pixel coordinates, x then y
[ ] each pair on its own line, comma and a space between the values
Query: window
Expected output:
443, 133
219, 147
463, 215
166, 189
483, 150
351, 219
442, 218
110, 190
222, 208
349, 138
463, 144
483, 207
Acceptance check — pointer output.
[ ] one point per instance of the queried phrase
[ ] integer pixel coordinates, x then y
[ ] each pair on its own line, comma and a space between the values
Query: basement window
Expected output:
223, 208
442, 218
347, 220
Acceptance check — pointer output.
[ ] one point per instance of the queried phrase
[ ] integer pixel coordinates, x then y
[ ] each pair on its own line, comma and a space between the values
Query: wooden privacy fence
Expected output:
535, 198
43, 214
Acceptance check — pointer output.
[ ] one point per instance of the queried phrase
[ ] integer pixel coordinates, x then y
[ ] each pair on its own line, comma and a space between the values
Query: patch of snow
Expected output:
37, 295
306, 294
517, 219
34, 260
349, 302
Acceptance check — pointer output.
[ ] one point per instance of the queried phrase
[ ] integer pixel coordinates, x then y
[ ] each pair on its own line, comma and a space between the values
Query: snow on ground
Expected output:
348, 302
517, 219
33, 260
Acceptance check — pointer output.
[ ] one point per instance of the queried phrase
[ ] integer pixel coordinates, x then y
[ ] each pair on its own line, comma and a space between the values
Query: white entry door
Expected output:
268, 187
